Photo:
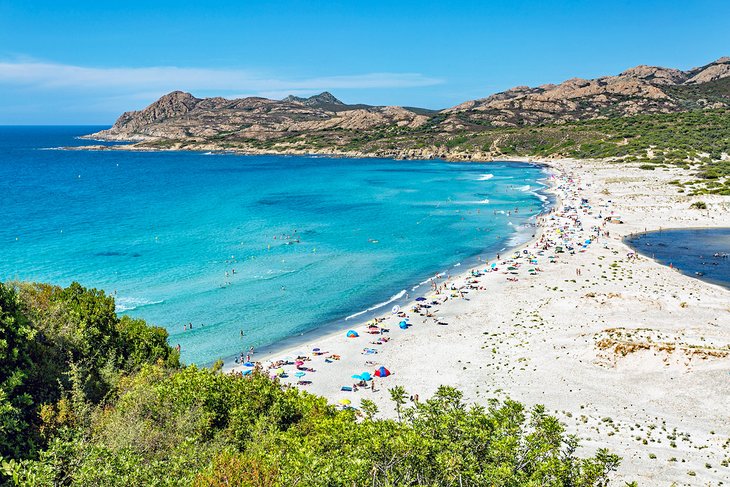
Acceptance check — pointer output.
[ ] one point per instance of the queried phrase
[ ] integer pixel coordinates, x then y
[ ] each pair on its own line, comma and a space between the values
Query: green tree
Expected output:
16, 403
398, 396
369, 408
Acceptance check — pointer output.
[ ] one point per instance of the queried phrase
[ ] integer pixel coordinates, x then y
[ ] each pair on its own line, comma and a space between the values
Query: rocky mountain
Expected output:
324, 123
323, 100
180, 115
643, 89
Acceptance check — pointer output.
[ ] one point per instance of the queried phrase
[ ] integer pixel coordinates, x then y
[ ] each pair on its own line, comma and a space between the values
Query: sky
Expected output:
86, 62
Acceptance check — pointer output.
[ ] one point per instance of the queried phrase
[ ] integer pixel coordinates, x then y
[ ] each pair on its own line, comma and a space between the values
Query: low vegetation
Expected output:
88, 398
697, 141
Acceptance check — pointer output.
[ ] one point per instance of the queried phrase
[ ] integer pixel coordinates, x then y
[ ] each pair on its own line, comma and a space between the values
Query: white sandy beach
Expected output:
629, 354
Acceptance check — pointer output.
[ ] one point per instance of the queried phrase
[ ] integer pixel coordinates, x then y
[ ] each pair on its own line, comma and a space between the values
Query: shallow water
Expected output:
703, 253
311, 239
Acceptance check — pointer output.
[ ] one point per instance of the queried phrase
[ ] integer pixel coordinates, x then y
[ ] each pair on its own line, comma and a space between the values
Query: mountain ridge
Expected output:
323, 123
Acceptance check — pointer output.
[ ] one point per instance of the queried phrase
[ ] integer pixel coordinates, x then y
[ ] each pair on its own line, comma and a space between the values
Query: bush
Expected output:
153, 423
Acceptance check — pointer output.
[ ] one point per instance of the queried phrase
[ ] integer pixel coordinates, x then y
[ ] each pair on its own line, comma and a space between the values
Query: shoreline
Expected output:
627, 353
339, 325
288, 345
409, 154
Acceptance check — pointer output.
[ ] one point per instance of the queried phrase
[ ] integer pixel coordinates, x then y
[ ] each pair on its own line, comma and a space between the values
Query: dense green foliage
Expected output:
55, 341
90, 399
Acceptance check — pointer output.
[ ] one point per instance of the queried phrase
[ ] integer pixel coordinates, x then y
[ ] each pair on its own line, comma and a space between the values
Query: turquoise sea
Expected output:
312, 240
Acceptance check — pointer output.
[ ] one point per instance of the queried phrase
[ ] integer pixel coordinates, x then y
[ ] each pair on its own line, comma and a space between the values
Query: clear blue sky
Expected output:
77, 62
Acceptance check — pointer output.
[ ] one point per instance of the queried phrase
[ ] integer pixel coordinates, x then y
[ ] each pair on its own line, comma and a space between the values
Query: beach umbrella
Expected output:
356, 376
421, 298
395, 309
403, 325
300, 374
248, 364
345, 402
279, 371
382, 372
366, 376
352, 334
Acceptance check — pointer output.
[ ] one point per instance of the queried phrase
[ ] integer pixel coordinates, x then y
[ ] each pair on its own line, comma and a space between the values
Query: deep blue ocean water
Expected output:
703, 253
311, 239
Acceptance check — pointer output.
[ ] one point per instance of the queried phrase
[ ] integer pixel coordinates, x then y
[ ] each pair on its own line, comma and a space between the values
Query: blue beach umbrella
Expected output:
403, 325
356, 376
366, 376
248, 364
352, 334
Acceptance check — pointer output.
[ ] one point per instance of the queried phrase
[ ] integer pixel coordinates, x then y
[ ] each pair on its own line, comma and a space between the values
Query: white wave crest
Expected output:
128, 304
395, 297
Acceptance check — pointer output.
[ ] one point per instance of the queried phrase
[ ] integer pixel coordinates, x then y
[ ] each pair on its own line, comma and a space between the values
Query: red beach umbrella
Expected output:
382, 372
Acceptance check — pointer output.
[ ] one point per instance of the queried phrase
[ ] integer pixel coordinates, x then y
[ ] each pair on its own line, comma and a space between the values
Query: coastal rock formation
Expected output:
324, 124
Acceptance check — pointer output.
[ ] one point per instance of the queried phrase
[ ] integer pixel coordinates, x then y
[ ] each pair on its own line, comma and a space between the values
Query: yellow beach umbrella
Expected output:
345, 402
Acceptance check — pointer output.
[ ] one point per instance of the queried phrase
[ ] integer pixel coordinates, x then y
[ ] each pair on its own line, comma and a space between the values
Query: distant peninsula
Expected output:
646, 114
